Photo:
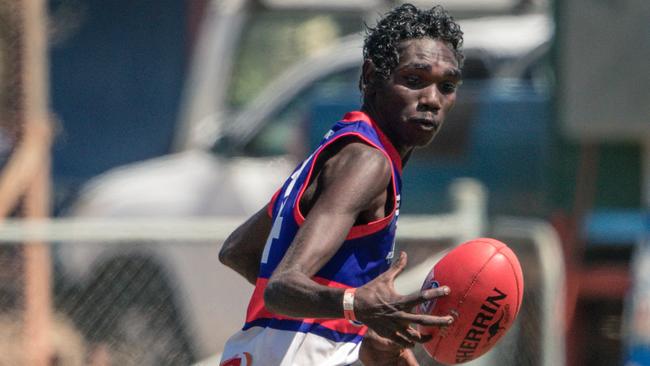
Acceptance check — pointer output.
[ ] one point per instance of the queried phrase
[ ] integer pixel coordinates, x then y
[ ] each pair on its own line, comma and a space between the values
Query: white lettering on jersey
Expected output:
277, 223
274, 235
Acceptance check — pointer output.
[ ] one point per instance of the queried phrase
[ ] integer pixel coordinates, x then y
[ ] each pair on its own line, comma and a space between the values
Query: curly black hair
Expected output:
408, 22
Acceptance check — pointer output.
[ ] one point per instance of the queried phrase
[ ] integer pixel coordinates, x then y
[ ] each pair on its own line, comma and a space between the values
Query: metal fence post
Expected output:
470, 207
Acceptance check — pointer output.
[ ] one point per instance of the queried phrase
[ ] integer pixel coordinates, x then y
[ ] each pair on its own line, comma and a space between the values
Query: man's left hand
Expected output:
379, 351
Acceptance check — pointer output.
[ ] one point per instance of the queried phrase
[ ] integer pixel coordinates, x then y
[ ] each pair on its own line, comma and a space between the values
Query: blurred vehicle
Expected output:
238, 142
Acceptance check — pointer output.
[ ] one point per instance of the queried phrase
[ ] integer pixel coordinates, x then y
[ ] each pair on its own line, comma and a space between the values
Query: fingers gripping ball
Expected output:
487, 287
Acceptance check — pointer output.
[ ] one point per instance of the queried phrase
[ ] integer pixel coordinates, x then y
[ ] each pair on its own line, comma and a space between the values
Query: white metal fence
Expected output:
467, 220
140, 291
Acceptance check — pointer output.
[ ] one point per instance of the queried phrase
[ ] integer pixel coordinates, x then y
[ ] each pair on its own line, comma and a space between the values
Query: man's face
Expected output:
413, 103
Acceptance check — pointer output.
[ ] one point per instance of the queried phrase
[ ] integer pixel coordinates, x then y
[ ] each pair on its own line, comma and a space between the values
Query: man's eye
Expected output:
447, 87
412, 80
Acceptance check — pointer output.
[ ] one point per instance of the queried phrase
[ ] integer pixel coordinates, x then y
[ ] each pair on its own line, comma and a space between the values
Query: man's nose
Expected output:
430, 98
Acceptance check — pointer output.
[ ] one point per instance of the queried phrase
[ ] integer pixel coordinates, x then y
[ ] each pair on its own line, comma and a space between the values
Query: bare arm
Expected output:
243, 248
351, 182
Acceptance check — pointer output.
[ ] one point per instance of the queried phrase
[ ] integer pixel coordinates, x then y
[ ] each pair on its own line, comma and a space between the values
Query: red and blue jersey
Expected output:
365, 253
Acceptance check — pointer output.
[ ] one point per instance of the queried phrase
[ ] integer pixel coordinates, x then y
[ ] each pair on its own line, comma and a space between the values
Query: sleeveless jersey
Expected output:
272, 339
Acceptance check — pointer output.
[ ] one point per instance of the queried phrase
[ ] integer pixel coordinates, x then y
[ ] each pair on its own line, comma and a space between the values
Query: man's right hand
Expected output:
388, 313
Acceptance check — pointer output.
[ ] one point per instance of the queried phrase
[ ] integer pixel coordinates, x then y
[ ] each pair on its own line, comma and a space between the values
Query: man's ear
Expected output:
368, 77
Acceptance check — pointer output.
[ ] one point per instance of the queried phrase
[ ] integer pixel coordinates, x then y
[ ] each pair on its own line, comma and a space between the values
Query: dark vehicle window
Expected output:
285, 131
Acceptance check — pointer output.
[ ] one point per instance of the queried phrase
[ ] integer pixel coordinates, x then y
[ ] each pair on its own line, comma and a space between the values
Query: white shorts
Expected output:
259, 346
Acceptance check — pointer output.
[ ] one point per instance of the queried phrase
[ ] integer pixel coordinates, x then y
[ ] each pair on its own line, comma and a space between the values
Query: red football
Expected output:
487, 287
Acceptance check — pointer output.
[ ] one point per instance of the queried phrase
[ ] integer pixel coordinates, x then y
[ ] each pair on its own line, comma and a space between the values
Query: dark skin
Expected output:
350, 188
411, 106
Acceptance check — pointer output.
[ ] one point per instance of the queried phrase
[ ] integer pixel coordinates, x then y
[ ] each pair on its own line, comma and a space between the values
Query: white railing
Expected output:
466, 221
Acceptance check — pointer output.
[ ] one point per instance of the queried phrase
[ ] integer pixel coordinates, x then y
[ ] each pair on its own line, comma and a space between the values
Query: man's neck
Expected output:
404, 152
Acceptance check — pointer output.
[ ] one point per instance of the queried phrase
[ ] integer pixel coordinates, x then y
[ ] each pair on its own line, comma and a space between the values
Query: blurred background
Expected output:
136, 134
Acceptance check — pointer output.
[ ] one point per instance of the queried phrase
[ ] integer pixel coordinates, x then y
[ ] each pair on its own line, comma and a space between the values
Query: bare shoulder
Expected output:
358, 165
364, 153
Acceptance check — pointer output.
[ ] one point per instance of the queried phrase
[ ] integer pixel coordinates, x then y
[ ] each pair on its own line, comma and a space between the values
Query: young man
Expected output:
319, 255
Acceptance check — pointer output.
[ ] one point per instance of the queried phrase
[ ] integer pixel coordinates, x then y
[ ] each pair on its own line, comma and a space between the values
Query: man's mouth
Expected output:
425, 123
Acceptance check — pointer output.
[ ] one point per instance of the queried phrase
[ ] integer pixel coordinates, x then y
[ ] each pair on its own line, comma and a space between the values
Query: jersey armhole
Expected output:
270, 207
356, 231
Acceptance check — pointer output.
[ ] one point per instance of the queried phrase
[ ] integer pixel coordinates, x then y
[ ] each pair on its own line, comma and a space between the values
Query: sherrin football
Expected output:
487, 287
